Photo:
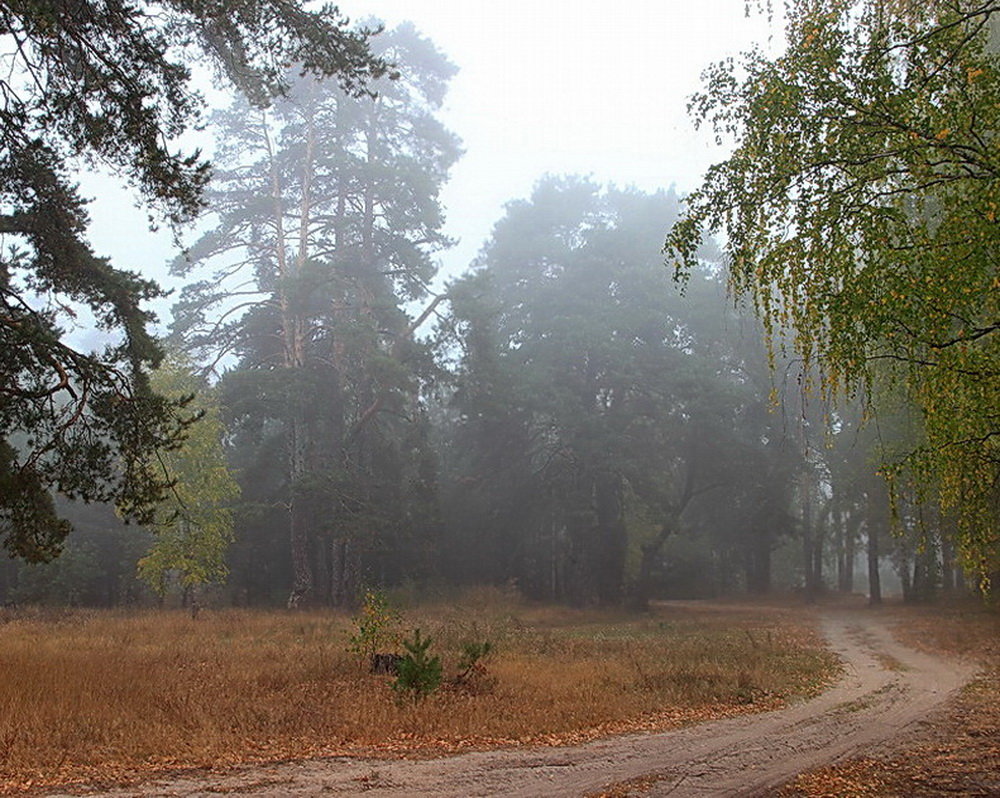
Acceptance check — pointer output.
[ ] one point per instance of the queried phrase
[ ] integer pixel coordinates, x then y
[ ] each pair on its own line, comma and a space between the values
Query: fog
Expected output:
571, 88
527, 397
564, 418
542, 88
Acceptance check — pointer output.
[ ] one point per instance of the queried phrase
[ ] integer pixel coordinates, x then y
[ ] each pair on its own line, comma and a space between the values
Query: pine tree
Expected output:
109, 84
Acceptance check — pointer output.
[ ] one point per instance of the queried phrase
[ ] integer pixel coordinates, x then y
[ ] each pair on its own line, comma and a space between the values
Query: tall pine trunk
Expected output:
293, 352
612, 538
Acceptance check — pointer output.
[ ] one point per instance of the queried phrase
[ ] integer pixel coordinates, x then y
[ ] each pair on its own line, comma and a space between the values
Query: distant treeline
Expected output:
574, 425
561, 417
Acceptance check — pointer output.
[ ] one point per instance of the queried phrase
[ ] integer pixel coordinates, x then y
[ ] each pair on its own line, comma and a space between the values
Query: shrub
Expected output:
418, 673
377, 627
473, 653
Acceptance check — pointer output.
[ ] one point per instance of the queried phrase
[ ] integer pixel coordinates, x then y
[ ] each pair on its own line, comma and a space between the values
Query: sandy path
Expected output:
887, 690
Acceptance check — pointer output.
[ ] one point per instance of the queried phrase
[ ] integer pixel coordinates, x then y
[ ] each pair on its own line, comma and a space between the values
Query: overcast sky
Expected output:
557, 86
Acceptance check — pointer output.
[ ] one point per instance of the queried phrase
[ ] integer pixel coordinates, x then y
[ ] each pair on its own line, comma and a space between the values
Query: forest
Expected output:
663, 485
793, 394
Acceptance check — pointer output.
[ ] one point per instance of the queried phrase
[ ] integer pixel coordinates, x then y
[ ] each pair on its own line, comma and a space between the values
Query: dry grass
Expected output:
956, 753
113, 696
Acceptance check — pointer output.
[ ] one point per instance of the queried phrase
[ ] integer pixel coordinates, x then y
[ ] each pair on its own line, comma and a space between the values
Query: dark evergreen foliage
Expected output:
594, 406
328, 216
102, 83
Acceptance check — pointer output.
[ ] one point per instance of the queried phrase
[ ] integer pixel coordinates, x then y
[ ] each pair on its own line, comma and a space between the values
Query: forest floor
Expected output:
894, 704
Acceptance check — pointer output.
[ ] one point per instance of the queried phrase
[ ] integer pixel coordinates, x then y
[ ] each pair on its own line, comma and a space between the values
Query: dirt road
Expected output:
887, 690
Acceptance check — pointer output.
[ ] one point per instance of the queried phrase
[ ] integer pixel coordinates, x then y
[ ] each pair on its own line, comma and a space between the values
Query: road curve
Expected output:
886, 690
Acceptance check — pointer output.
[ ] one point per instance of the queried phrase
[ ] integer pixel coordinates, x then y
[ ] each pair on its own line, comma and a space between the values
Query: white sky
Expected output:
545, 86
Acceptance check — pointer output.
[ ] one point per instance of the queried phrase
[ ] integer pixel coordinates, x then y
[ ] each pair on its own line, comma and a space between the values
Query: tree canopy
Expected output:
859, 209
109, 85
194, 525
328, 216
593, 404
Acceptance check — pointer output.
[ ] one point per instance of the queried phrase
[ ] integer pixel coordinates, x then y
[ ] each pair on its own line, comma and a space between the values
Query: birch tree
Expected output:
859, 210
193, 526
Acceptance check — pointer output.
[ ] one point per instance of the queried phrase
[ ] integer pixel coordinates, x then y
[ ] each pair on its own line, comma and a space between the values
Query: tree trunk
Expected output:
302, 580
877, 522
874, 583
639, 600
845, 576
672, 519
642, 591
8, 578
925, 570
817, 563
905, 579
808, 542
555, 562
609, 565
580, 528
345, 574
947, 563
293, 339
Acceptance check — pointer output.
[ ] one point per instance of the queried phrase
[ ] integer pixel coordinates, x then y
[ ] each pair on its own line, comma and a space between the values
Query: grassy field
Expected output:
111, 696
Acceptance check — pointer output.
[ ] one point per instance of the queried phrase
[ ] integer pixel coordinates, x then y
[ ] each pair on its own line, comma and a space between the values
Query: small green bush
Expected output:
419, 673
377, 627
473, 653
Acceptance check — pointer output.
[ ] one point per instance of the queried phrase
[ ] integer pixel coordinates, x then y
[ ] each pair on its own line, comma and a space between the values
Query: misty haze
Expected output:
526, 399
